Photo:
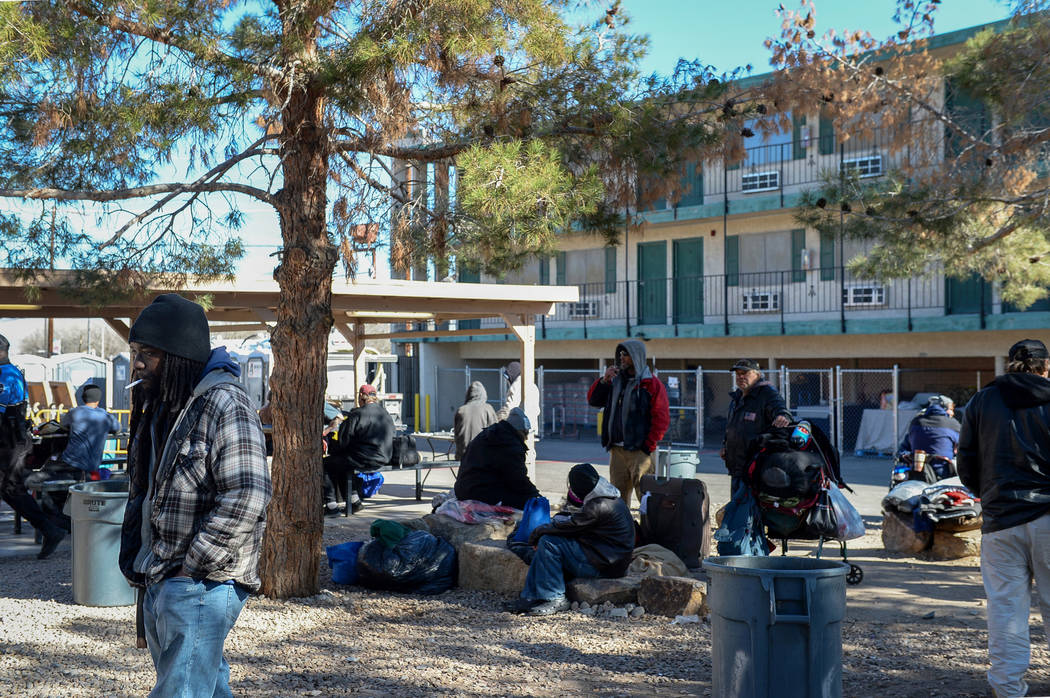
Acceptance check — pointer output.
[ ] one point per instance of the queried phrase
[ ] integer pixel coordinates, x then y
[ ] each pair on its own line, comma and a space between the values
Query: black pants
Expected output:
337, 470
13, 488
52, 502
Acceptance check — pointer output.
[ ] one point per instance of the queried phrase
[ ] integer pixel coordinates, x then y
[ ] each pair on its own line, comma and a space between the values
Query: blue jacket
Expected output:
12, 386
933, 431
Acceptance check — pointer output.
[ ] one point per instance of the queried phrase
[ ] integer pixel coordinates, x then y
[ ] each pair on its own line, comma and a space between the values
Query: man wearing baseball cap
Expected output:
365, 444
1003, 457
754, 407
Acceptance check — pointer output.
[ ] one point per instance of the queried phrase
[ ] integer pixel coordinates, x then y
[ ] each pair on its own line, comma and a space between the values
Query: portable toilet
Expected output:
81, 369
121, 399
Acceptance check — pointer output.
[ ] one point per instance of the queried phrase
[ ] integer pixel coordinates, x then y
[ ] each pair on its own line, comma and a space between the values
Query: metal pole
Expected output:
539, 380
896, 387
699, 408
837, 401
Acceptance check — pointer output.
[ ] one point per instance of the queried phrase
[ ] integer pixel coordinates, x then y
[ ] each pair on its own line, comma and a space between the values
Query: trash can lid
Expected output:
781, 566
103, 488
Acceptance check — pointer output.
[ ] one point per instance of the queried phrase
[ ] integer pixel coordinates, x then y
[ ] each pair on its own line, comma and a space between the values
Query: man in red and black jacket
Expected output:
635, 418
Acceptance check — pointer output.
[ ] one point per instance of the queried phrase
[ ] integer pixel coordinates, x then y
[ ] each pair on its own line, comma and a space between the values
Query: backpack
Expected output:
404, 453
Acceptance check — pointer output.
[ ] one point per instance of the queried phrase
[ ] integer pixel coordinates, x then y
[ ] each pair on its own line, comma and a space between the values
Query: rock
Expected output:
457, 533
637, 611
949, 545
490, 566
673, 596
930, 615
584, 605
587, 611
575, 606
604, 591
898, 536
618, 613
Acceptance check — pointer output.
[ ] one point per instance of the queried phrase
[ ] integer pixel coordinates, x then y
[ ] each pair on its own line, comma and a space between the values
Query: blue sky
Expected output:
731, 34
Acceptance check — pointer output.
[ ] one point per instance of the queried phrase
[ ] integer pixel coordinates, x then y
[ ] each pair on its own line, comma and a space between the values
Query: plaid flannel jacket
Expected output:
211, 490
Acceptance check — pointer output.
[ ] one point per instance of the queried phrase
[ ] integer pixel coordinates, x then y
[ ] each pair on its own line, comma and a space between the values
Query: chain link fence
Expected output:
563, 399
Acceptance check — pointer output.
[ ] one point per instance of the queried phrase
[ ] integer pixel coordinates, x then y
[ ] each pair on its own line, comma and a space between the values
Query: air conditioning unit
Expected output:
866, 295
761, 302
760, 181
583, 309
870, 166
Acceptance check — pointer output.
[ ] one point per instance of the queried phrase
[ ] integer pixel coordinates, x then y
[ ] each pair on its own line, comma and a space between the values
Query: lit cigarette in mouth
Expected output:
131, 385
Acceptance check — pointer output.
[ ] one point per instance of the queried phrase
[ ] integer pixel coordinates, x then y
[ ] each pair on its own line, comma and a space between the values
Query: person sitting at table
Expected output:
935, 431
365, 444
88, 426
493, 468
472, 417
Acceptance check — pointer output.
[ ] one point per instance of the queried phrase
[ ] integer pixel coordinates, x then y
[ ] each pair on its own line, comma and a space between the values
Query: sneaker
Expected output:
51, 541
333, 510
519, 605
355, 503
546, 608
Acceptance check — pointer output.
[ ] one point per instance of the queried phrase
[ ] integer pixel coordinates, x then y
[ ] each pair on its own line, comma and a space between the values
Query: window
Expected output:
764, 148
530, 273
586, 267
764, 252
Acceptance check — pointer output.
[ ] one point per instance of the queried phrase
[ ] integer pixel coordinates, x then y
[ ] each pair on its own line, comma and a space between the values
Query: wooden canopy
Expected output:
247, 304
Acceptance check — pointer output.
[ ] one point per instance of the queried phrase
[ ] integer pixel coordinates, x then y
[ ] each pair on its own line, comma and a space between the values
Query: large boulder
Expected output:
598, 591
673, 596
954, 545
457, 533
899, 537
488, 565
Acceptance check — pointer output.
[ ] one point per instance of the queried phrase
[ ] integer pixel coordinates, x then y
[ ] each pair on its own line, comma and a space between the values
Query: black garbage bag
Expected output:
421, 563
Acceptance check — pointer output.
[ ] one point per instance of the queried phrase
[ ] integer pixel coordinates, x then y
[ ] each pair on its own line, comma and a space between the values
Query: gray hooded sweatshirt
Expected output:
475, 414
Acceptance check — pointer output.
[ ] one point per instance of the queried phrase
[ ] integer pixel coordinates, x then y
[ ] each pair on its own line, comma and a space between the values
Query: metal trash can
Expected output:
776, 626
97, 510
679, 463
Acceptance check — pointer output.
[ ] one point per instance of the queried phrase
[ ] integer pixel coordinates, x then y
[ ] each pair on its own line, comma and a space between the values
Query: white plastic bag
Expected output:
850, 524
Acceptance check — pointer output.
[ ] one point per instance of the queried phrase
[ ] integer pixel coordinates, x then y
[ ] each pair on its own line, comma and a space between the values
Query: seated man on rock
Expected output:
493, 468
592, 537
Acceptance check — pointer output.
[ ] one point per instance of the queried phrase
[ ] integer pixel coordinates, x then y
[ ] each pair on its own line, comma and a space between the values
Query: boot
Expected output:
53, 535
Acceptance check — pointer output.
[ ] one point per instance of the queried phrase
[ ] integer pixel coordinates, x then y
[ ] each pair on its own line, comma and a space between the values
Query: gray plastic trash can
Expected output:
776, 626
675, 463
97, 510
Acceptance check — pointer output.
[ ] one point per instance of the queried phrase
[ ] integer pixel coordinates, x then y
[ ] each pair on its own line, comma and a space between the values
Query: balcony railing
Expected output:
760, 297
808, 161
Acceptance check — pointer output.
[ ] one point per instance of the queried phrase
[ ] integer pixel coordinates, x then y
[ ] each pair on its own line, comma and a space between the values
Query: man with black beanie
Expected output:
200, 485
592, 537
15, 443
1003, 457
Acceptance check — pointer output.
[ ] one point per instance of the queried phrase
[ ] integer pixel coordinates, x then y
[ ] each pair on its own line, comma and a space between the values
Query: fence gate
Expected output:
866, 410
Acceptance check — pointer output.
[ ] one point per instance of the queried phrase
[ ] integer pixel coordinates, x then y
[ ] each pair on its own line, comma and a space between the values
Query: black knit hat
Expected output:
582, 479
174, 325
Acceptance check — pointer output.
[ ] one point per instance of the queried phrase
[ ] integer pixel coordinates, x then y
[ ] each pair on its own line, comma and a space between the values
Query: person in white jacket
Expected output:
512, 373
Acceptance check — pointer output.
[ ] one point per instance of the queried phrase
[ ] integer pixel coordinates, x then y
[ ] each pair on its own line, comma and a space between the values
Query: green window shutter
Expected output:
610, 270
545, 271
657, 205
827, 257
469, 276
798, 149
798, 243
732, 260
826, 135
692, 184
561, 269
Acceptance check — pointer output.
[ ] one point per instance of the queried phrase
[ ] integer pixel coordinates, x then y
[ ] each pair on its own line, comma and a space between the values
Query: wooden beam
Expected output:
426, 334
240, 327
118, 326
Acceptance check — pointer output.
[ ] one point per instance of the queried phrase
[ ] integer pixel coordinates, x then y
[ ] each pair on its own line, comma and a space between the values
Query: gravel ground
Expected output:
912, 628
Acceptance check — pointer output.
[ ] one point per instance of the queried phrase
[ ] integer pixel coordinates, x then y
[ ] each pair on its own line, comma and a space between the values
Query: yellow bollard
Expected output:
427, 413
415, 412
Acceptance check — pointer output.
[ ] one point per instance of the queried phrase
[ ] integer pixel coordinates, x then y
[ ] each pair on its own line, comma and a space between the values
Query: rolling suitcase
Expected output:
677, 516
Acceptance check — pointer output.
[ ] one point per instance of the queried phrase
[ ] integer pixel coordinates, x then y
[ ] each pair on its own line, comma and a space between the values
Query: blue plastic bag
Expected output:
537, 512
420, 563
342, 559
370, 483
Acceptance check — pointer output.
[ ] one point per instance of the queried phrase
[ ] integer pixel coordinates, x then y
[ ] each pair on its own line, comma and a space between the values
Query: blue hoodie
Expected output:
221, 359
933, 431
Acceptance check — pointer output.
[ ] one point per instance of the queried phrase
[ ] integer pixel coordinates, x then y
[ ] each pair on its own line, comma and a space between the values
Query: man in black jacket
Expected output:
754, 407
1004, 457
365, 444
593, 537
493, 469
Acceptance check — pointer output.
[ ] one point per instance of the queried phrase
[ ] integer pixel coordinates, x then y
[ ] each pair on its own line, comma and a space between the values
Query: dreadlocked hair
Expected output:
178, 378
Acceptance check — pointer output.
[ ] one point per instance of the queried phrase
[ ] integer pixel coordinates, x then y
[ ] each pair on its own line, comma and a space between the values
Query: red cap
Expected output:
367, 389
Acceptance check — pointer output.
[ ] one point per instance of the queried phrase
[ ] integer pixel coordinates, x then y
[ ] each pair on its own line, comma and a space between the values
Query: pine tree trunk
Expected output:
291, 555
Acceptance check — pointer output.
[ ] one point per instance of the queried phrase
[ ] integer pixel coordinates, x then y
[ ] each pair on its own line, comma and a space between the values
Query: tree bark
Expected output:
291, 554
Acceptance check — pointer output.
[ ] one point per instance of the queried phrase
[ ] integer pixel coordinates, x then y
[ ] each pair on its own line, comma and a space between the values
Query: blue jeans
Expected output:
557, 559
187, 622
